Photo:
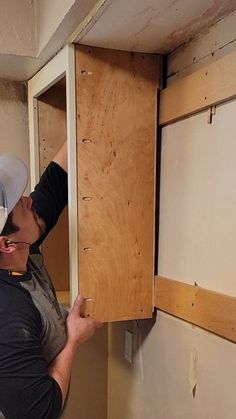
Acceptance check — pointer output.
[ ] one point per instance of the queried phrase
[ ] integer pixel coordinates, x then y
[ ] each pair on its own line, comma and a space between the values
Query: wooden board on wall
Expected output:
116, 143
211, 85
52, 134
207, 309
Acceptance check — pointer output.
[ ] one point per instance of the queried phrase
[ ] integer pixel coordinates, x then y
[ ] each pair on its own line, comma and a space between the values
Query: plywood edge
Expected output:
72, 173
63, 297
207, 309
209, 86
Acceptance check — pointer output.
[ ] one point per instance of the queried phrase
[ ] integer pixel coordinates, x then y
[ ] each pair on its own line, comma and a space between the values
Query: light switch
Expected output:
129, 346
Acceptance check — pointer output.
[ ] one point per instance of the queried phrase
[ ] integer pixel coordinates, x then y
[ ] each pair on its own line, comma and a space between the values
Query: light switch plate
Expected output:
129, 346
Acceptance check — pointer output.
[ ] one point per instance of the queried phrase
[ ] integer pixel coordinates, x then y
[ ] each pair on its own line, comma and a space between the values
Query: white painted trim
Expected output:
50, 74
72, 173
63, 64
33, 139
90, 20
54, 71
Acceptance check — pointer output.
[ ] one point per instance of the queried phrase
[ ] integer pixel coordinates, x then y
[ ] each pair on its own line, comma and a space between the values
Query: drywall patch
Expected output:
193, 371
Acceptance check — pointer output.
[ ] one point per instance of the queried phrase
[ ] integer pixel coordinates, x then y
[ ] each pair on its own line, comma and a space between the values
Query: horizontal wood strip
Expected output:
206, 87
209, 310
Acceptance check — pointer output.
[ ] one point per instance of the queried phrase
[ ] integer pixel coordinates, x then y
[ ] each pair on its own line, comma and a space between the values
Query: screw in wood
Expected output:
86, 140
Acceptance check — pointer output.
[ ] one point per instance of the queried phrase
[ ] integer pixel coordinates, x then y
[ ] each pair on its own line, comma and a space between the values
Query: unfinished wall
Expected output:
178, 370
14, 120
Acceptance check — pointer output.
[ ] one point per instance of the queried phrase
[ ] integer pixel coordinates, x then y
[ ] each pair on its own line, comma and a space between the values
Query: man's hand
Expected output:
79, 329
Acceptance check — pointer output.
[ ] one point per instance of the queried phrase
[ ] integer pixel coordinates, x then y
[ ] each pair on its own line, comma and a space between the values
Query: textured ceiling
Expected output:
152, 25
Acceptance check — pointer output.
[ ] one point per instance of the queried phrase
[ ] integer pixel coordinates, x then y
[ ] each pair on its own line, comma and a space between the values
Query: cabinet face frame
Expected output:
62, 65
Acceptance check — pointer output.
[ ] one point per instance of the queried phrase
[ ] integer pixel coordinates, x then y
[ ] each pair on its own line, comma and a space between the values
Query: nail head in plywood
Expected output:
116, 105
209, 310
209, 86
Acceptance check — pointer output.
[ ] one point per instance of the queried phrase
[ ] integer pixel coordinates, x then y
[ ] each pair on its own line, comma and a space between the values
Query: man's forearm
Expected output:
60, 368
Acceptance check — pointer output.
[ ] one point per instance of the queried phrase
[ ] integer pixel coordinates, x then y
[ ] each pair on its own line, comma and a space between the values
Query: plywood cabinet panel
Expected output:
116, 143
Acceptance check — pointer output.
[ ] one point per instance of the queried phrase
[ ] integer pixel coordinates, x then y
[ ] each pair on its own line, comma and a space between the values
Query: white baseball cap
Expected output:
13, 181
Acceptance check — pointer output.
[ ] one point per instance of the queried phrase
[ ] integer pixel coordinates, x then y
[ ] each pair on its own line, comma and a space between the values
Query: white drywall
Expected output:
198, 201
170, 359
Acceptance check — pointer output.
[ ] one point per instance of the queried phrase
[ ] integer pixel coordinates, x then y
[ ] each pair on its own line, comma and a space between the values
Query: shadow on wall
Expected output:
140, 330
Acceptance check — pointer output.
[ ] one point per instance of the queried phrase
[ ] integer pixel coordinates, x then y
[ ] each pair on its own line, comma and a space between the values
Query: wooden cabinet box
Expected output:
105, 103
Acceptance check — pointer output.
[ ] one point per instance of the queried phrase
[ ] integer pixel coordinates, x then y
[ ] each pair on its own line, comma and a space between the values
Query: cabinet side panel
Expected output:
116, 143
52, 134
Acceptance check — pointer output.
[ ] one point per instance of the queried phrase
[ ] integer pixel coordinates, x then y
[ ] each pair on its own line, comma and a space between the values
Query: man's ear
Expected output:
6, 246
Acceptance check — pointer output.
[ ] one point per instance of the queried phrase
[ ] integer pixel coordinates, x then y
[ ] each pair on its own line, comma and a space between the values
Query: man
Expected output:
36, 351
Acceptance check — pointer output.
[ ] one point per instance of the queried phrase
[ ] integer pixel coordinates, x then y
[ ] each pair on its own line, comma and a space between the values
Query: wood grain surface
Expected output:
116, 144
207, 309
211, 85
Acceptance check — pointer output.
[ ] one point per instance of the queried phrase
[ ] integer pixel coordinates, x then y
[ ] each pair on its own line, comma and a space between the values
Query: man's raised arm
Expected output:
61, 157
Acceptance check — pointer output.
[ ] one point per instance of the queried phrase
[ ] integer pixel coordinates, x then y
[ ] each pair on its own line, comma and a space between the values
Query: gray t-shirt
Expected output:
53, 316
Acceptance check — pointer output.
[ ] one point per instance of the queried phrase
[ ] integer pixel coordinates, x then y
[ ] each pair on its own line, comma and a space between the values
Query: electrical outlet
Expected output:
129, 346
